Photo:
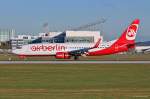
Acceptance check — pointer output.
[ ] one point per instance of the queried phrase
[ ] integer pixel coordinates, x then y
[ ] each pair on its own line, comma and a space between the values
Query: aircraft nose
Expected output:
16, 51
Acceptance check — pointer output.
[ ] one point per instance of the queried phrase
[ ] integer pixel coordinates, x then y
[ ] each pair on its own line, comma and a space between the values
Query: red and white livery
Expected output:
124, 43
68, 50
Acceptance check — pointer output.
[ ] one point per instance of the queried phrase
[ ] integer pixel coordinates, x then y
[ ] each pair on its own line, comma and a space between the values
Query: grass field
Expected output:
4, 57
75, 81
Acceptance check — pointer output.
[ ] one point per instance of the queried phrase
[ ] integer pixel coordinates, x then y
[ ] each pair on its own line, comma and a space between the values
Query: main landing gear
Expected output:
76, 57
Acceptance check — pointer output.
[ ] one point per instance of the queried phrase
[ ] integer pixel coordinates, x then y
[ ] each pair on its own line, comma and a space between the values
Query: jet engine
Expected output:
63, 55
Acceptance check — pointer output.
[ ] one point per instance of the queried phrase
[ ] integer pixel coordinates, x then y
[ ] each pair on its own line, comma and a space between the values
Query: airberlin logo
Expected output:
131, 32
47, 48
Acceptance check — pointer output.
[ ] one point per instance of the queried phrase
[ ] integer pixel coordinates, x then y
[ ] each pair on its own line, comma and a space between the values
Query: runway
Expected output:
74, 62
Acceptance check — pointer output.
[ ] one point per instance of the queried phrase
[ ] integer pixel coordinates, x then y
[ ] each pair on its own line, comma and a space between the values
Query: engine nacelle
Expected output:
63, 55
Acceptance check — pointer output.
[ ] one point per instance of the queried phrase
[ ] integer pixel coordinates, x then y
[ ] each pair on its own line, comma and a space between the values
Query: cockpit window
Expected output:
18, 47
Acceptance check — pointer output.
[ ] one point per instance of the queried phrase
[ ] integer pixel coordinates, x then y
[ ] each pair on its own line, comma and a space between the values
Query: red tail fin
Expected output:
124, 43
129, 35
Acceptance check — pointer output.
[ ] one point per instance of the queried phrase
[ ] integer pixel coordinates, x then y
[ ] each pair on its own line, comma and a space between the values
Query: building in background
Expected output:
6, 34
20, 40
56, 37
49, 34
68, 37
5, 37
82, 36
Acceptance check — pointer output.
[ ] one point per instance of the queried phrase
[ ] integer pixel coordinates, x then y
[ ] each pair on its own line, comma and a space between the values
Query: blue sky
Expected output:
28, 16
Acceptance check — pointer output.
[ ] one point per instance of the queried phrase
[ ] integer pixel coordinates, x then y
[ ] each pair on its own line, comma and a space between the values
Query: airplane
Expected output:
142, 47
66, 51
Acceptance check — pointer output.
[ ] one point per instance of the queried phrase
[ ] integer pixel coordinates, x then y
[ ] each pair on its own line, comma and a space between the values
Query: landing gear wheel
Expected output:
76, 57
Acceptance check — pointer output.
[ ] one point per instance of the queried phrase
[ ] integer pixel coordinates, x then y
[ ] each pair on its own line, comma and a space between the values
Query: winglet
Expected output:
98, 43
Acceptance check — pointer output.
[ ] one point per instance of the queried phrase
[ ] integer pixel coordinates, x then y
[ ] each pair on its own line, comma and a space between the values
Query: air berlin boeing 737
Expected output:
68, 50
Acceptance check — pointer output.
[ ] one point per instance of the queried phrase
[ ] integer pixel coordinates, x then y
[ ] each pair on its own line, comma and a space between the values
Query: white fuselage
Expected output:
142, 48
103, 45
43, 49
50, 48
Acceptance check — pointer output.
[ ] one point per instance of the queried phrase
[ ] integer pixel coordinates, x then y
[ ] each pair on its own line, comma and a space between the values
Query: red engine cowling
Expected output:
63, 55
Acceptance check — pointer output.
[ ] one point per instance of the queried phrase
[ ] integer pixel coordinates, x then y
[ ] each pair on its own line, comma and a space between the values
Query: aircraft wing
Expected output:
85, 50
